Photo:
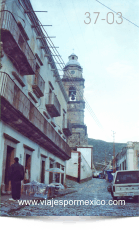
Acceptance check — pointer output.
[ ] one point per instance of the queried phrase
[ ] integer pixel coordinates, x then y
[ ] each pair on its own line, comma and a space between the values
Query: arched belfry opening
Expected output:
72, 93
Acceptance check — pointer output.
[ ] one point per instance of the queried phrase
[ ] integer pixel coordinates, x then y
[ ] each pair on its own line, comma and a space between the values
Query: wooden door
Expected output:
9, 162
43, 172
50, 173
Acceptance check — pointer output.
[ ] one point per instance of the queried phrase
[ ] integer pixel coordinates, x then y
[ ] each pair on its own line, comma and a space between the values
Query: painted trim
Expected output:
29, 148
10, 138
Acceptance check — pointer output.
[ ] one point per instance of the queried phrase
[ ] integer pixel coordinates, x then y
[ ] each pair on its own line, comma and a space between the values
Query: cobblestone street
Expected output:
95, 189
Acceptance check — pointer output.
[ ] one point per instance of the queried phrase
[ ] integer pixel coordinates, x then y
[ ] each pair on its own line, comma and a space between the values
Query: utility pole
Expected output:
114, 169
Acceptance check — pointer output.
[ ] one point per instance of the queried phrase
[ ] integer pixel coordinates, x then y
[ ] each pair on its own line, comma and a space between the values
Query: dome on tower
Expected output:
73, 61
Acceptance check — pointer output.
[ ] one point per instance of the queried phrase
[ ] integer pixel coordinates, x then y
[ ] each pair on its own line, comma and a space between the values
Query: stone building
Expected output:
73, 82
80, 165
33, 112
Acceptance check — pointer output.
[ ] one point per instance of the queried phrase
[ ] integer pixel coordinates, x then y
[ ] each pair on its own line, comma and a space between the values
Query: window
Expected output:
125, 164
23, 31
51, 165
127, 177
50, 96
64, 119
36, 73
72, 93
21, 42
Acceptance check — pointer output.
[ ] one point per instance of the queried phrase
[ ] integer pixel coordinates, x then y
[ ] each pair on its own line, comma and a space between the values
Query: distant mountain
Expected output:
99, 148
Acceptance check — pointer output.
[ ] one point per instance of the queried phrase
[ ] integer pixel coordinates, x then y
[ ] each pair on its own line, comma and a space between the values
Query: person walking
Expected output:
16, 174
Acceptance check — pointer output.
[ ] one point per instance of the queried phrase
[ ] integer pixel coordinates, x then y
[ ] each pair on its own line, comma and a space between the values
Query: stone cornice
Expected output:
73, 79
76, 102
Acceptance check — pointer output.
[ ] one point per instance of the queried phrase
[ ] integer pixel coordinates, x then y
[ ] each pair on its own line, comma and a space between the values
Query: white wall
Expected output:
130, 159
130, 155
36, 155
86, 171
87, 154
72, 165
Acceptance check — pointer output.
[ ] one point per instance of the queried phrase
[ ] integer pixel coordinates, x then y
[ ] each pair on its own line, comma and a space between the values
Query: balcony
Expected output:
53, 106
38, 85
68, 130
18, 112
15, 45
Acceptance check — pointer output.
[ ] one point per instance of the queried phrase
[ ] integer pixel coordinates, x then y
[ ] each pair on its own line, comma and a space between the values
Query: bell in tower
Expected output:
72, 93
73, 82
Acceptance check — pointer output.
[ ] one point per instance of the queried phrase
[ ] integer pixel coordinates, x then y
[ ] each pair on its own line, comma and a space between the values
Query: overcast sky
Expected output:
109, 55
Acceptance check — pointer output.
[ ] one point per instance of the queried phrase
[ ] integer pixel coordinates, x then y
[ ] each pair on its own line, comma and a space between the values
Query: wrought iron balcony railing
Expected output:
19, 112
15, 45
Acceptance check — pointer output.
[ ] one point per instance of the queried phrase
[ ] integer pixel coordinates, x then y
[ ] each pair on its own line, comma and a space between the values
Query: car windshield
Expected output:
127, 177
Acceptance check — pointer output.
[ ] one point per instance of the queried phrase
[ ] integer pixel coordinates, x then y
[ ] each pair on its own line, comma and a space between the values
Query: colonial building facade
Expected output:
128, 158
33, 109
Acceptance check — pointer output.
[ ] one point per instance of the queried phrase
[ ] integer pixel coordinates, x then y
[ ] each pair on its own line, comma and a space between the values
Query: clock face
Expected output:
72, 72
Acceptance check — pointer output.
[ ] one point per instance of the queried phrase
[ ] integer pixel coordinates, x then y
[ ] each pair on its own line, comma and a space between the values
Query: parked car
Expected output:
95, 174
125, 184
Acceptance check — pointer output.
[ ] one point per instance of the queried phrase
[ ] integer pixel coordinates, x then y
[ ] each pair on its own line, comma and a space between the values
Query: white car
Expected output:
95, 174
125, 184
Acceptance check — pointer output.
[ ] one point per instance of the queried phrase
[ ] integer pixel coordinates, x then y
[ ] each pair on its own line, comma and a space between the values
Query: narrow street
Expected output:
95, 189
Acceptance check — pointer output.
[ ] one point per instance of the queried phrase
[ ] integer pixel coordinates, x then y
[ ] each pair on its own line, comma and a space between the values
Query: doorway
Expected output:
9, 162
27, 168
50, 173
57, 175
43, 171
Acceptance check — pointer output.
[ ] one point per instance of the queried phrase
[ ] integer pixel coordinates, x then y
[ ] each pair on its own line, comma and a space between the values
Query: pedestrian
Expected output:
16, 174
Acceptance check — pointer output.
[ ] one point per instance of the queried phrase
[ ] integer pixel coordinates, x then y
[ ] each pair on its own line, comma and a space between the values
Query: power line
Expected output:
57, 58
117, 13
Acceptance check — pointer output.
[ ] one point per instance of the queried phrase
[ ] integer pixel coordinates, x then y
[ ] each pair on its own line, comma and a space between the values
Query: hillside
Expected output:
99, 148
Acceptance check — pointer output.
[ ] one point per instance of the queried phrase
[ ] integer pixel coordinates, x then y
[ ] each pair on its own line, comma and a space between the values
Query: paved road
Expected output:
95, 189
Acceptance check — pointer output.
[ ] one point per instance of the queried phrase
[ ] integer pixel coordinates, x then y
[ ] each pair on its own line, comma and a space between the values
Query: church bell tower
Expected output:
73, 82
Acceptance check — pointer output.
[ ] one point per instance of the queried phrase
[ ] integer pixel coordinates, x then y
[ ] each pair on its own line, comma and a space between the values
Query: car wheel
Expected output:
114, 197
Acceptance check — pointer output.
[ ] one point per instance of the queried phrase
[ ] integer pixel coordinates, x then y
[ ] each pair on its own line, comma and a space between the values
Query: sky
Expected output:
109, 56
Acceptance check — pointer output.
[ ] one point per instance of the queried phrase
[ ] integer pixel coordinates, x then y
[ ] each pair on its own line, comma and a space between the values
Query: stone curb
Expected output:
8, 212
